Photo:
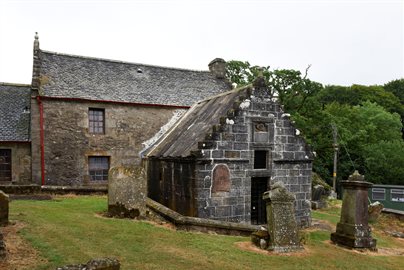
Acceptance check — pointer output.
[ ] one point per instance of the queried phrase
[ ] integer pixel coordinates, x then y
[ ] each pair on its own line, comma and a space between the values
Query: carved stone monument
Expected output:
282, 226
353, 230
4, 200
127, 192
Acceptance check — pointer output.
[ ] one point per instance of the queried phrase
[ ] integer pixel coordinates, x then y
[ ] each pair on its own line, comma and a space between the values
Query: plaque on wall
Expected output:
261, 133
221, 178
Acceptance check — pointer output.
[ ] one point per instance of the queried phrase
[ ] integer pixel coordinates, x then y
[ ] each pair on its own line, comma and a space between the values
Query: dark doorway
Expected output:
5, 165
258, 209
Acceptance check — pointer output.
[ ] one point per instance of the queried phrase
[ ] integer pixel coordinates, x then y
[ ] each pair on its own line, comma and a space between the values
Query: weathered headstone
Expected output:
318, 197
127, 192
375, 210
4, 200
94, 264
353, 230
3, 250
282, 226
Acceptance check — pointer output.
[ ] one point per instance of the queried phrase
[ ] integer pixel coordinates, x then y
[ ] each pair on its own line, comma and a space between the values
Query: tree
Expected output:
291, 87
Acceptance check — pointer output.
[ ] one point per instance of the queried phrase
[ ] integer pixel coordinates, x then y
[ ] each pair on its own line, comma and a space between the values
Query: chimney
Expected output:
36, 65
218, 68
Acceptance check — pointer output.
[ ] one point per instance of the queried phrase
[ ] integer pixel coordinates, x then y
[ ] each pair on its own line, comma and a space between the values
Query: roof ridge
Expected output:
122, 62
239, 89
15, 84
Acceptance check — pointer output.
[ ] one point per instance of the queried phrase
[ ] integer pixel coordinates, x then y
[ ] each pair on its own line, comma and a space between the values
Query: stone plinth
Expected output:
353, 230
282, 226
4, 200
127, 192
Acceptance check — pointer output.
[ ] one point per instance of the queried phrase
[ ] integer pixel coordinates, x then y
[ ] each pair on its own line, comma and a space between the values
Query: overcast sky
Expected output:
345, 42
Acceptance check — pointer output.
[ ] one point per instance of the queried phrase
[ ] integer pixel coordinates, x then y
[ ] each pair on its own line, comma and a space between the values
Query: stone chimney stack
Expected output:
36, 64
218, 68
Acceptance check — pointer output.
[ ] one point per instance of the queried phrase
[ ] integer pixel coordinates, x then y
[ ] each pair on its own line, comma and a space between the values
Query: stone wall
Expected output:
68, 142
257, 125
21, 161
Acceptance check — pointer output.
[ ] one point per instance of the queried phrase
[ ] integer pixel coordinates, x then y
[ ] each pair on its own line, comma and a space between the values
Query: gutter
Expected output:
41, 134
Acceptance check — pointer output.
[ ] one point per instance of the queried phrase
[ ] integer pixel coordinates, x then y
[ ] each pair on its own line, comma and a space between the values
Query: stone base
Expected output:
120, 211
354, 242
279, 249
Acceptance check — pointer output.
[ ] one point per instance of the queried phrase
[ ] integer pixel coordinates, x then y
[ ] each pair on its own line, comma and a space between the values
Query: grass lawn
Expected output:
68, 230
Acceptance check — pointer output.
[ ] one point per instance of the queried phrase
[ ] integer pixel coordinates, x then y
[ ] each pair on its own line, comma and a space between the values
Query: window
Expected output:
98, 168
260, 159
5, 164
378, 194
397, 195
96, 121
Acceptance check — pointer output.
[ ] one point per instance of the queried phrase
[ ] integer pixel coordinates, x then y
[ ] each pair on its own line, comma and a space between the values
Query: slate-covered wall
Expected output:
259, 125
20, 161
68, 143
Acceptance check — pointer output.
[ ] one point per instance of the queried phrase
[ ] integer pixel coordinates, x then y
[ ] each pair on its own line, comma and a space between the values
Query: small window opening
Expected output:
397, 195
96, 121
378, 194
98, 167
260, 159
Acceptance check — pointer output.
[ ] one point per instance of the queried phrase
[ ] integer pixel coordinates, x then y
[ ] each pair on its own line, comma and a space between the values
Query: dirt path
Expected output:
20, 254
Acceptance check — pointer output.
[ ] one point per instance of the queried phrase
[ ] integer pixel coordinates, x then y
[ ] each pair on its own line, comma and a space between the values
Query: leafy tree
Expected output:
384, 162
291, 87
397, 88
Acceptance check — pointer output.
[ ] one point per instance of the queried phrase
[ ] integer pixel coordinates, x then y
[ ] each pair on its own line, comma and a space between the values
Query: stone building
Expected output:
90, 114
224, 153
15, 147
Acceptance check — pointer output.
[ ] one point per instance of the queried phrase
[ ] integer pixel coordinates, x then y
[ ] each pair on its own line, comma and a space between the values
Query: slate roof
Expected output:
70, 76
14, 112
192, 128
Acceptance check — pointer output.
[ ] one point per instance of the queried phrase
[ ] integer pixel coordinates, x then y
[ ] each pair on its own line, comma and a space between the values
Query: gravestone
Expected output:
318, 197
3, 250
353, 230
94, 264
282, 226
127, 192
4, 200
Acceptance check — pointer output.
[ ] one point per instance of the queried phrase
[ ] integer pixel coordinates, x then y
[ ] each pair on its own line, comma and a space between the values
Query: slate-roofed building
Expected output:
15, 147
91, 114
224, 153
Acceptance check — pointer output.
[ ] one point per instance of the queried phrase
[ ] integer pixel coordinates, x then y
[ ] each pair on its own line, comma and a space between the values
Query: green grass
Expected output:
68, 230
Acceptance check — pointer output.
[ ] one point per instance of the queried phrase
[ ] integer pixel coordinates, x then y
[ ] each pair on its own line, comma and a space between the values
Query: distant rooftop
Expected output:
14, 112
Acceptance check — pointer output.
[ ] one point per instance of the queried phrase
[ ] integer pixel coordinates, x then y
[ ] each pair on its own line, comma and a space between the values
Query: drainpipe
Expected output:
41, 134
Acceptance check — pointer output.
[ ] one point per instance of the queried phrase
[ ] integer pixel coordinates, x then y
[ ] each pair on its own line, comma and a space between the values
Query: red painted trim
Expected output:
115, 102
41, 134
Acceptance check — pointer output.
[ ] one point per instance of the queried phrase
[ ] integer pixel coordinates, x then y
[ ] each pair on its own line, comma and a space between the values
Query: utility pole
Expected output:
335, 145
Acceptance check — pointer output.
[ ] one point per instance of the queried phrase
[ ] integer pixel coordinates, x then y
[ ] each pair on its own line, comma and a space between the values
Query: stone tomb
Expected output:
282, 226
353, 230
127, 192
4, 200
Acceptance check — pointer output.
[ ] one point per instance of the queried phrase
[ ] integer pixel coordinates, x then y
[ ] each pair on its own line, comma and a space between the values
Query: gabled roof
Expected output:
192, 128
69, 76
14, 112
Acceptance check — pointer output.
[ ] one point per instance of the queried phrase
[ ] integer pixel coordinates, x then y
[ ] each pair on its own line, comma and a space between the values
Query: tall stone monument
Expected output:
127, 192
4, 201
282, 226
353, 230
